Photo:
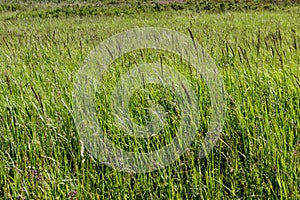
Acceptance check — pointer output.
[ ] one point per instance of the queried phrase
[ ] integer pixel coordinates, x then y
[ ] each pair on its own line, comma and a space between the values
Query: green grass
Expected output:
257, 157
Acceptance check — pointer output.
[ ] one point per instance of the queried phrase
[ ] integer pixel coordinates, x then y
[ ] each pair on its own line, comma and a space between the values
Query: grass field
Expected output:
256, 50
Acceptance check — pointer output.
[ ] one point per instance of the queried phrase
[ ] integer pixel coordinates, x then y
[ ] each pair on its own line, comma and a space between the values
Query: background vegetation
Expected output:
56, 8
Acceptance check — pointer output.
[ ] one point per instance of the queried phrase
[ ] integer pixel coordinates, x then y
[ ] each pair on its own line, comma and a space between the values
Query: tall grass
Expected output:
257, 156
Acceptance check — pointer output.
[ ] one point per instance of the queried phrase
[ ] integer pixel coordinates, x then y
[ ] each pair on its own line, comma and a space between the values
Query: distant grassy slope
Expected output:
58, 8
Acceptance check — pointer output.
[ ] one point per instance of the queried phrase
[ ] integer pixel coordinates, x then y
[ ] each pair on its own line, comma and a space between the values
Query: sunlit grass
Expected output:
257, 156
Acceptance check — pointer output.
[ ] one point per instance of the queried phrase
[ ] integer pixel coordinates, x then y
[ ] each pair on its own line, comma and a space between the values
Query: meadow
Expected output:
256, 48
